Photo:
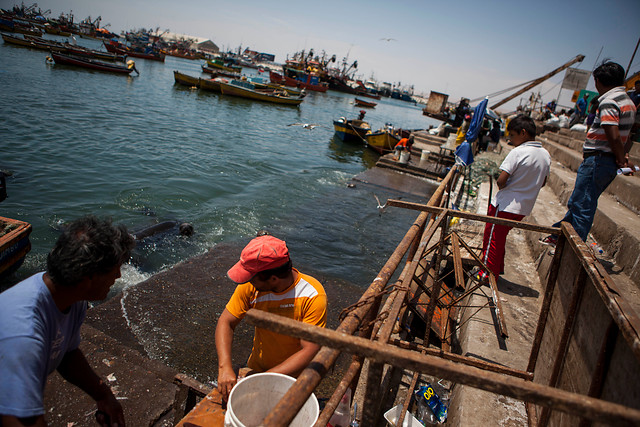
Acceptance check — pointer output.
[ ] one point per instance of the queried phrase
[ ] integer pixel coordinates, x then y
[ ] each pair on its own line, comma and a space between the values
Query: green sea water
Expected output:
142, 150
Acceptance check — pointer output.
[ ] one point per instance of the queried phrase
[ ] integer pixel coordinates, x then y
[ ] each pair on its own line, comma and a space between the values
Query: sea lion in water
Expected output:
185, 229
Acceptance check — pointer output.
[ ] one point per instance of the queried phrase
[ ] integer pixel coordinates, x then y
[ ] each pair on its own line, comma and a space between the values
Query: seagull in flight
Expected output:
388, 39
305, 125
380, 207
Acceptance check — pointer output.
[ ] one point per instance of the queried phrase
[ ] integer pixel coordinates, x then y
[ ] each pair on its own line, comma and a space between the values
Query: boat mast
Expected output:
537, 81
630, 61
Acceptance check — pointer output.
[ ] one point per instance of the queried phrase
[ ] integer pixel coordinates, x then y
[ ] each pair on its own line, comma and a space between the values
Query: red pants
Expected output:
495, 237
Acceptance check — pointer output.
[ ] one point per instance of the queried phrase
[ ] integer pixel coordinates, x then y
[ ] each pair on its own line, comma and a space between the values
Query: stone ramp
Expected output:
144, 387
616, 227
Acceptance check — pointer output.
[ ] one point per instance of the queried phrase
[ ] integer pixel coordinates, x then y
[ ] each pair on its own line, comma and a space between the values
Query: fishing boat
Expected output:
304, 80
218, 64
185, 79
264, 83
246, 89
93, 64
70, 49
136, 52
220, 73
14, 244
351, 130
363, 103
383, 140
66, 48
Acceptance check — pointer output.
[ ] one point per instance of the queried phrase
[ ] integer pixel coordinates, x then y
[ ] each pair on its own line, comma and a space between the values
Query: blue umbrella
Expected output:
476, 121
464, 155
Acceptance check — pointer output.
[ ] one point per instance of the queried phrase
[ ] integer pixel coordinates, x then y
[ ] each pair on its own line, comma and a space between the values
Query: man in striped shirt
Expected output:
267, 281
605, 149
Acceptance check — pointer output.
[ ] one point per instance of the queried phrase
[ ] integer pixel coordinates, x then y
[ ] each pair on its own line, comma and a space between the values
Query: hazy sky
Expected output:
463, 48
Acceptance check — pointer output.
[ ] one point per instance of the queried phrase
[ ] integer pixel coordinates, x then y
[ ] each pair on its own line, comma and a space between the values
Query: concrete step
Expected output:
144, 387
624, 189
616, 228
575, 140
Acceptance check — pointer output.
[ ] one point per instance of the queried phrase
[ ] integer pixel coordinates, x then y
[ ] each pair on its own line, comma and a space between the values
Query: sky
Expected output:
464, 48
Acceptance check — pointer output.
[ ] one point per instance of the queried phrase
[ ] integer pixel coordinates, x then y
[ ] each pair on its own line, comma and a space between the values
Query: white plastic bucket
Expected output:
253, 398
404, 157
425, 155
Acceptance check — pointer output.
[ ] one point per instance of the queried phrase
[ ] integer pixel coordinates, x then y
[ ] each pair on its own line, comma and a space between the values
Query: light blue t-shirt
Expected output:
34, 337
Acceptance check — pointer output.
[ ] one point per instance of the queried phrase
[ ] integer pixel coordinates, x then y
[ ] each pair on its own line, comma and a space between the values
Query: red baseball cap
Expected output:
262, 253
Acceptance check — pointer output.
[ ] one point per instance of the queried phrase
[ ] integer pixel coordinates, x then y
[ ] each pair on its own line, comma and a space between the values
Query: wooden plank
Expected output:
457, 261
475, 217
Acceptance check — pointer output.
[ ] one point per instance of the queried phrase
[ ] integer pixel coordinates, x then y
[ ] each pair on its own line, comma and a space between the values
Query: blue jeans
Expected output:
594, 176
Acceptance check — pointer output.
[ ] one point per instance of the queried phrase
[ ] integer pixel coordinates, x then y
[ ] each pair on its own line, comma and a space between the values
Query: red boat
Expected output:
363, 103
94, 64
121, 49
311, 82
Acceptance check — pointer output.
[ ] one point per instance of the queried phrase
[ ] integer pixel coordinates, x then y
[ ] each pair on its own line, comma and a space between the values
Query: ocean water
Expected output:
142, 150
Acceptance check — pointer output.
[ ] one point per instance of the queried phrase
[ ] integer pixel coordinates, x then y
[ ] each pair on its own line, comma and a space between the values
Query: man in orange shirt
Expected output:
267, 281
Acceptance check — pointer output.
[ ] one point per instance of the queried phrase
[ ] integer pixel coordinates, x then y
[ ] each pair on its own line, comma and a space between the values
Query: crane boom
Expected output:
537, 81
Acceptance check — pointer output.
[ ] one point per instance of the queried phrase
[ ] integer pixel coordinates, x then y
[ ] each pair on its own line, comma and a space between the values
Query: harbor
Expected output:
196, 162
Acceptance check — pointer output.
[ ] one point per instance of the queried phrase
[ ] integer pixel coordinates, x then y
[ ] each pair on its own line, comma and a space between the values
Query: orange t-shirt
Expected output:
304, 301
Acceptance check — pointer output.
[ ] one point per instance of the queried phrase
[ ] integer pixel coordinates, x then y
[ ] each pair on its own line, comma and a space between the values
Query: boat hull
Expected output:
90, 63
382, 141
209, 84
185, 79
233, 90
14, 245
351, 130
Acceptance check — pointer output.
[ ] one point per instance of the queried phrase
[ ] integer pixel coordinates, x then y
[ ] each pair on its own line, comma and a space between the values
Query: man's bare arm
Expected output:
227, 323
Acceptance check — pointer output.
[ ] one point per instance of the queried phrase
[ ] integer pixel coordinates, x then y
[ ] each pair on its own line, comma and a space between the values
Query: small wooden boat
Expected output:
245, 89
264, 83
383, 140
363, 103
70, 49
19, 41
218, 64
93, 64
14, 244
351, 130
185, 79
215, 72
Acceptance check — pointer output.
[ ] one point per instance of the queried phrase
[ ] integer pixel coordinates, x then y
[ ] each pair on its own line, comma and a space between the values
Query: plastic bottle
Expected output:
437, 407
342, 417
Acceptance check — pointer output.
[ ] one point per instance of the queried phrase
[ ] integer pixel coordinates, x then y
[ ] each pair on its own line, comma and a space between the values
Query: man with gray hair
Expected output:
41, 319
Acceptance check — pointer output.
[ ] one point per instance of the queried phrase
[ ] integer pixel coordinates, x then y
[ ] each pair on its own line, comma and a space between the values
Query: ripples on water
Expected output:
143, 151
